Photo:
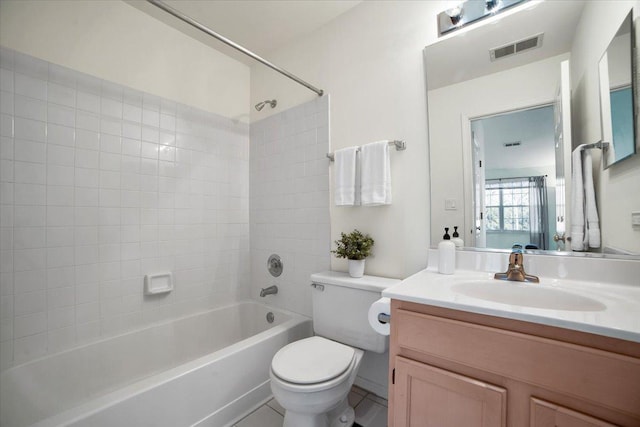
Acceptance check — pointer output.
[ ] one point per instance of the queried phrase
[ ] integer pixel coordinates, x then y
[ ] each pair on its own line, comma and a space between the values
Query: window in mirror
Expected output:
507, 204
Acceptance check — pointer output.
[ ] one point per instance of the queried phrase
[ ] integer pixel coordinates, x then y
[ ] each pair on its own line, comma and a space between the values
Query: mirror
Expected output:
465, 85
616, 96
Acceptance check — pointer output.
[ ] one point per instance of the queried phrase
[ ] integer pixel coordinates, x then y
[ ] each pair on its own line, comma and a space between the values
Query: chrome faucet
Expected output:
516, 272
271, 290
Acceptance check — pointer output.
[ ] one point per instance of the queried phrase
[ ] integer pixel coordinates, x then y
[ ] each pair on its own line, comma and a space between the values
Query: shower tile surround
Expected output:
289, 201
99, 185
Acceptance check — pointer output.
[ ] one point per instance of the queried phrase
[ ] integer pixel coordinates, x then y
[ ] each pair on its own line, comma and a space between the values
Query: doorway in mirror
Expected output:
515, 178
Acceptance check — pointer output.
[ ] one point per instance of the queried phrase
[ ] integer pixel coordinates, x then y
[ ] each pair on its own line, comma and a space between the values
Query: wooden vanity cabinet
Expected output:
451, 368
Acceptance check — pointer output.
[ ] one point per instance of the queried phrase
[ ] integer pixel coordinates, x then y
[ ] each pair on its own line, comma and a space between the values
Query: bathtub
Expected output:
208, 369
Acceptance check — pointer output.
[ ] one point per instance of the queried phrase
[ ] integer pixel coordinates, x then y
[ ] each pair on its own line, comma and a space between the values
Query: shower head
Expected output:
272, 102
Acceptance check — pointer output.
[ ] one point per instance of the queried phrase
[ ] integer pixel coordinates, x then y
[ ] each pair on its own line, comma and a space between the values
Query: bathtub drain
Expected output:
270, 317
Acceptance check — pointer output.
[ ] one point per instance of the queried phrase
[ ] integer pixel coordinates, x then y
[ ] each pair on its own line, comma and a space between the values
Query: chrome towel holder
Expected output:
399, 144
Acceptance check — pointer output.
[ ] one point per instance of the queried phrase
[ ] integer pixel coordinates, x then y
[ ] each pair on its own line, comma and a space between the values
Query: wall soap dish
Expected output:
158, 283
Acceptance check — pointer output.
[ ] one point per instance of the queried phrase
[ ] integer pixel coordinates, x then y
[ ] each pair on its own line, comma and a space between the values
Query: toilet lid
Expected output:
312, 360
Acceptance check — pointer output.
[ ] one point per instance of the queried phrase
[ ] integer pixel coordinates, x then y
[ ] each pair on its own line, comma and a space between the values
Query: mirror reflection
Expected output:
616, 96
514, 174
477, 106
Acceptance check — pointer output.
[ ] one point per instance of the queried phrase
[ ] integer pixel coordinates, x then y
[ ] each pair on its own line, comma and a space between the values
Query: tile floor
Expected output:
371, 411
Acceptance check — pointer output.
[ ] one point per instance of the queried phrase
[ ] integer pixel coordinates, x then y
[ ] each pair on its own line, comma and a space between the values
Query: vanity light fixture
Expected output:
455, 15
490, 5
471, 11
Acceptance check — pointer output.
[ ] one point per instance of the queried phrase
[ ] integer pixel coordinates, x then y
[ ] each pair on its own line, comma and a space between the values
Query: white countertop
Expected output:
615, 311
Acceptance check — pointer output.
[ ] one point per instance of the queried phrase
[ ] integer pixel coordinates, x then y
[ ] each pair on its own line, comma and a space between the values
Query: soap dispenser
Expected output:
456, 238
446, 254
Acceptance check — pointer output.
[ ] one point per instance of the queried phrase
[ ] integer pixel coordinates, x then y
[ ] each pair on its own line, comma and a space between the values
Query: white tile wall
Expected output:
100, 185
289, 212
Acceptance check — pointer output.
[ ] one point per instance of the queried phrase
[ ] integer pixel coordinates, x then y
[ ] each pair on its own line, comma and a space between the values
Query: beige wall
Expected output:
117, 42
370, 61
617, 187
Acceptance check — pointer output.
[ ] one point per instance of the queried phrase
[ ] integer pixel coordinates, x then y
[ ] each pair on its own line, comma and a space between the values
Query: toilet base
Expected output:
342, 415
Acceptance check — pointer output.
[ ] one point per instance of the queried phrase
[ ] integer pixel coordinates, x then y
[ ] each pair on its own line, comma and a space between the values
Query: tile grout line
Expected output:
371, 397
256, 410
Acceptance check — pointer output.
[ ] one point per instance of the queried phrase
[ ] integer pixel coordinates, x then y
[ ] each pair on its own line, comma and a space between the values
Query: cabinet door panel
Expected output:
431, 397
547, 414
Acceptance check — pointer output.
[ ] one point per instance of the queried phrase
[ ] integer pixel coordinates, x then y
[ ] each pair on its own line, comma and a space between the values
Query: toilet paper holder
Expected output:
384, 318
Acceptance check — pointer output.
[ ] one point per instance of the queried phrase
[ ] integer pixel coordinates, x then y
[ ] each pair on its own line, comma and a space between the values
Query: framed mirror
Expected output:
616, 96
464, 86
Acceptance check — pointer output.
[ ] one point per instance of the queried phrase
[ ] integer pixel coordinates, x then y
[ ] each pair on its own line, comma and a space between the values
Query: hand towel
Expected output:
344, 175
591, 218
577, 200
375, 175
585, 228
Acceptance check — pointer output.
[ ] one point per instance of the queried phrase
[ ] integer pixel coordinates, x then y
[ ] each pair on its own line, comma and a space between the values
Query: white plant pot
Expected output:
356, 267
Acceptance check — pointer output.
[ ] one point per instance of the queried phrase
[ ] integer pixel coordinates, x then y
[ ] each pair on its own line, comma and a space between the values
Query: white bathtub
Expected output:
207, 369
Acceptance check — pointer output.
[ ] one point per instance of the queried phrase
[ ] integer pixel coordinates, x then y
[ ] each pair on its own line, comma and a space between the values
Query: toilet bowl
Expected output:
311, 379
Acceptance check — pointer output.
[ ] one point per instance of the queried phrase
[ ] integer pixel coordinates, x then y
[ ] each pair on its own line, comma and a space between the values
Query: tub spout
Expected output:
271, 290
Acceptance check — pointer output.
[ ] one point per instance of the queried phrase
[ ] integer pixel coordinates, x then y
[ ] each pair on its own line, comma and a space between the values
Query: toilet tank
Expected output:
341, 306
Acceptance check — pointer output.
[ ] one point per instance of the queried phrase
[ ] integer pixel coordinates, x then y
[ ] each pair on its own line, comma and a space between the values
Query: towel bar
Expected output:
599, 144
400, 146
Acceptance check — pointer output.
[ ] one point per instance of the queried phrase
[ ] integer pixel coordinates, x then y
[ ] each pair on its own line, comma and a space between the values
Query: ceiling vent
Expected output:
516, 47
512, 144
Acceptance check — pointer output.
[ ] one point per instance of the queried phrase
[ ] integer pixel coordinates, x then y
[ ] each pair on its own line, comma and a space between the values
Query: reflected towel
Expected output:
344, 174
591, 220
585, 230
375, 174
577, 200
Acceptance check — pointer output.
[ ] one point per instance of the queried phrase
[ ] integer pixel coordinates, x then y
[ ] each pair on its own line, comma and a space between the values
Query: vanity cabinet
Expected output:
452, 368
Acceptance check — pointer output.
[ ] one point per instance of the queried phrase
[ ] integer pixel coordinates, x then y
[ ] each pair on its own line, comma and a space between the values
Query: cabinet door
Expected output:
426, 396
547, 414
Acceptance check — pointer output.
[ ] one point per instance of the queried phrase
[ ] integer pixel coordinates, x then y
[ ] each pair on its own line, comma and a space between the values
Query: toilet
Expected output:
311, 378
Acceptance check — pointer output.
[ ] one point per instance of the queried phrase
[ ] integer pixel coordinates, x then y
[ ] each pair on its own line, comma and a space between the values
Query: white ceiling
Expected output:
464, 54
258, 25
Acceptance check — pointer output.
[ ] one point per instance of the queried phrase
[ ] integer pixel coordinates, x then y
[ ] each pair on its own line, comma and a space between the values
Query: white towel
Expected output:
592, 220
577, 201
585, 230
344, 175
375, 174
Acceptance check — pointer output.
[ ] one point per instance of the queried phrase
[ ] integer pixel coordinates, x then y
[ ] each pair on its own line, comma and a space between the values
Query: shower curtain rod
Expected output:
234, 45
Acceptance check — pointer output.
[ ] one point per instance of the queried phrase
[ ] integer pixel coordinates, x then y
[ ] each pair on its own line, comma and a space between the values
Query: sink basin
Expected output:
527, 295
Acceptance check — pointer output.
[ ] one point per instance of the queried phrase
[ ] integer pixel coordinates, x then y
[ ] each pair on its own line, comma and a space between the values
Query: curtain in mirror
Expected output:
539, 224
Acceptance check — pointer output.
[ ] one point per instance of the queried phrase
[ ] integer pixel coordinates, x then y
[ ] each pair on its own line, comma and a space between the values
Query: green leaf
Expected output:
354, 245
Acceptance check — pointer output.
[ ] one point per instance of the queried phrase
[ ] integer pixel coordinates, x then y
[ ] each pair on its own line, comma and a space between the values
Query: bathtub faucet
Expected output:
271, 290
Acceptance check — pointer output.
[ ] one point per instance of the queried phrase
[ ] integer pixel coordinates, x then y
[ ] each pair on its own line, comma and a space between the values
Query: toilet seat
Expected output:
311, 361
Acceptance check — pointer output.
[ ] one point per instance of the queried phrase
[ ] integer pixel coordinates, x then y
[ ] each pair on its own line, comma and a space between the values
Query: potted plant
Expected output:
354, 246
